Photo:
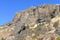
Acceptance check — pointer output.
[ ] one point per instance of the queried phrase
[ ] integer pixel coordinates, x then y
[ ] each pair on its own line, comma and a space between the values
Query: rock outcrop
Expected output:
35, 23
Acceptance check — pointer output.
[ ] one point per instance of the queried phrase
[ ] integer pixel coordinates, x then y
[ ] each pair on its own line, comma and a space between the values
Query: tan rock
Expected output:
34, 23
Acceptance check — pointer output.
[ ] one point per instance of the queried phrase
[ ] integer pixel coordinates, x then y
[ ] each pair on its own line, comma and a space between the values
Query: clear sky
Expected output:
9, 7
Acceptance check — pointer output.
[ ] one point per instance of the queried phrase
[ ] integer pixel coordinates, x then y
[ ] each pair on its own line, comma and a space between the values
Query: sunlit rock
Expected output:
35, 23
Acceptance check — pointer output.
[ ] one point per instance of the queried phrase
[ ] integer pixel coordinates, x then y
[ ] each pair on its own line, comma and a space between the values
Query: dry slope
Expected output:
35, 23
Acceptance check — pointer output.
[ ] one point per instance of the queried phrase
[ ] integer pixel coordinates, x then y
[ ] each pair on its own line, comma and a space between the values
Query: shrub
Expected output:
2, 39
58, 38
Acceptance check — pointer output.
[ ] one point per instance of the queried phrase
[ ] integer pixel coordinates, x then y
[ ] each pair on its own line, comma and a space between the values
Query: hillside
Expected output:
35, 23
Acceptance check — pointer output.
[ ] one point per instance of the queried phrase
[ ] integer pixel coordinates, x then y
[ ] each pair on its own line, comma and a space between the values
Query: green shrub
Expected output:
58, 38
2, 39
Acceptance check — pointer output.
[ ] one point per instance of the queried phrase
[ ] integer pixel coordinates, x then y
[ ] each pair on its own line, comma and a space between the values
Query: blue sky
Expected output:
9, 7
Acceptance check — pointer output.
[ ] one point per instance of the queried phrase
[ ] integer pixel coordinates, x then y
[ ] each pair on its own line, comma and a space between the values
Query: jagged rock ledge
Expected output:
35, 23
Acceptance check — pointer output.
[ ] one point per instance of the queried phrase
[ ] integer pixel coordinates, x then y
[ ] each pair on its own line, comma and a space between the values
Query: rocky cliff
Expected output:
35, 23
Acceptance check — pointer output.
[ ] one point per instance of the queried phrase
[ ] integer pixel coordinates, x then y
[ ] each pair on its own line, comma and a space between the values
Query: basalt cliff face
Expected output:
35, 23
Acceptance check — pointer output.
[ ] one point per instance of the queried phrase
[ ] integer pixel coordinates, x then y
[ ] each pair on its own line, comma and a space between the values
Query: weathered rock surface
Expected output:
35, 23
